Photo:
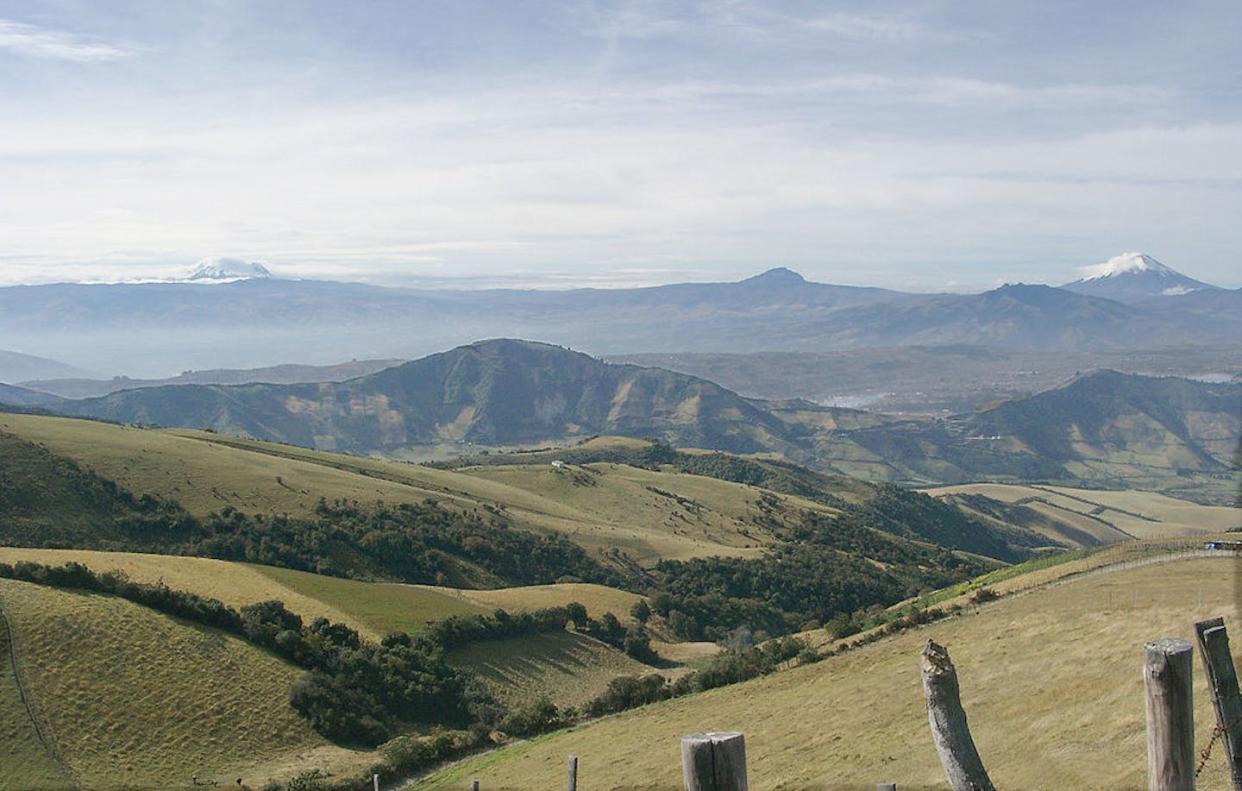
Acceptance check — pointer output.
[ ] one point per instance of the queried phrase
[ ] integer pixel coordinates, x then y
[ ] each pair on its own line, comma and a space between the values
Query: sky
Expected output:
940, 145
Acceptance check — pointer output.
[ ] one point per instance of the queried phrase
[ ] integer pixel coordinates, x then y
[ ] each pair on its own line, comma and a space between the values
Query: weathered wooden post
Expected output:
1170, 716
374, 781
571, 783
1222, 679
474, 784
950, 732
886, 787
714, 762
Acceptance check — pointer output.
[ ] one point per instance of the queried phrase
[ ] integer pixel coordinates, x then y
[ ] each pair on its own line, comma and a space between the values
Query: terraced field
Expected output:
1051, 680
133, 699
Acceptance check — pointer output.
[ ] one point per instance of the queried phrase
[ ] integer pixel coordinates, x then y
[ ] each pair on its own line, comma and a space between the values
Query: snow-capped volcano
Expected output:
227, 269
1125, 264
1133, 277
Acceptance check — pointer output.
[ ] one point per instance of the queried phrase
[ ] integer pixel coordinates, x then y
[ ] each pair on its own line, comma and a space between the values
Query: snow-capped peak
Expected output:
1126, 263
222, 269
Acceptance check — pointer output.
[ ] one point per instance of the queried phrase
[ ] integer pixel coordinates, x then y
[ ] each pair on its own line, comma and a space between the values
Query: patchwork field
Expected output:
133, 699
1051, 681
1084, 517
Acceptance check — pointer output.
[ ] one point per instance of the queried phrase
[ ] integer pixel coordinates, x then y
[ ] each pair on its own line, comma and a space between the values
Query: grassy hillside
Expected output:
134, 699
28, 763
598, 599
206, 472
567, 669
1051, 682
1085, 517
883, 507
722, 547
373, 608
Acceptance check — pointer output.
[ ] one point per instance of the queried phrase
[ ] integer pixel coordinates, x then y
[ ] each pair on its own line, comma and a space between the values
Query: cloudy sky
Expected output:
928, 145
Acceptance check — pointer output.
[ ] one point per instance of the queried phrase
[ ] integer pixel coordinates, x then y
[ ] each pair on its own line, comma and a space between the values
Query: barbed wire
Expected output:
1206, 752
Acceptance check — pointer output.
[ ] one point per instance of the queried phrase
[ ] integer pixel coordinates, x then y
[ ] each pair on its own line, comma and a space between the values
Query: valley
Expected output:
620, 395
656, 525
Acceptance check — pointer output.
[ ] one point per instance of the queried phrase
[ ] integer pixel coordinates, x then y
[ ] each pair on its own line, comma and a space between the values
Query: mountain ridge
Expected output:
153, 328
1104, 427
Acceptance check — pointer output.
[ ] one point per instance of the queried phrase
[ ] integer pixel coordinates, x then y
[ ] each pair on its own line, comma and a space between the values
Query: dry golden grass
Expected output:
689, 653
134, 699
566, 668
598, 599
206, 472
202, 476
235, 584
1051, 680
649, 514
1143, 515
373, 608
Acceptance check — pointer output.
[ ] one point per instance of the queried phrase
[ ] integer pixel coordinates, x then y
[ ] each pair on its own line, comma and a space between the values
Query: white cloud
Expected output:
39, 42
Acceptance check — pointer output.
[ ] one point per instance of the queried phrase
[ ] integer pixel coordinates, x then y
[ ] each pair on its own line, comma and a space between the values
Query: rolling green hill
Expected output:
647, 501
641, 527
132, 699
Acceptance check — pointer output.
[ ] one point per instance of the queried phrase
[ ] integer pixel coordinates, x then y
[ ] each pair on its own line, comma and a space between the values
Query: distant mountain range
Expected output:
257, 321
277, 374
16, 367
1105, 427
12, 395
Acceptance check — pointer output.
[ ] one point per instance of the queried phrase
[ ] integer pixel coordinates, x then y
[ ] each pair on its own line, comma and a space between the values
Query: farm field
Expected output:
1026, 665
1106, 516
134, 699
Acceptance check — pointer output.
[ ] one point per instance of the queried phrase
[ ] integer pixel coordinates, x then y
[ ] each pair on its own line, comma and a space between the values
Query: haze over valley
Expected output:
615, 395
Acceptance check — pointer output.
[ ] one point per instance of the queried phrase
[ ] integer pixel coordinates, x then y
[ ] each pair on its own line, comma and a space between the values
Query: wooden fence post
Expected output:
474, 784
950, 733
714, 762
1170, 716
571, 783
1222, 679
374, 782
886, 787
